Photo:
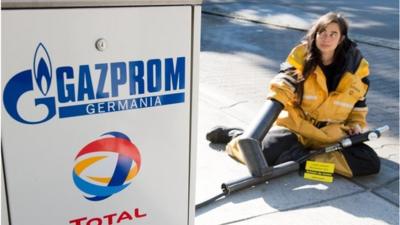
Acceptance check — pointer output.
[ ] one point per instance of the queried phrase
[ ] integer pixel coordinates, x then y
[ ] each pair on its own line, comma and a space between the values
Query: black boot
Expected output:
223, 135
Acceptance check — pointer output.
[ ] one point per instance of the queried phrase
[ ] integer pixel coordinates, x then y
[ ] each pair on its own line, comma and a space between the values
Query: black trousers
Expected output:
282, 145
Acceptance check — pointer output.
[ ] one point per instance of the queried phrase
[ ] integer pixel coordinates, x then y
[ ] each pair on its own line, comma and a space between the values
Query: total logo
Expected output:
106, 166
109, 219
34, 96
114, 176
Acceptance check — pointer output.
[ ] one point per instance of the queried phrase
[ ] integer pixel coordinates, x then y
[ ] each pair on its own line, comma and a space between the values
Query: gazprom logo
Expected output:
42, 69
70, 91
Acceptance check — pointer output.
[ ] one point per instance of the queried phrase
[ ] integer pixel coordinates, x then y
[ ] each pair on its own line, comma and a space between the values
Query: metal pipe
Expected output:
246, 182
249, 141
263, 121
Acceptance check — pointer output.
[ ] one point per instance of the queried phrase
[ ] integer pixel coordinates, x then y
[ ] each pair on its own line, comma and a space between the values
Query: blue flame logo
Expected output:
42, 69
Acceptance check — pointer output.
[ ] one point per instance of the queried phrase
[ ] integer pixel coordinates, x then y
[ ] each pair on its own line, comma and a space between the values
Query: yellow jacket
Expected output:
339, 110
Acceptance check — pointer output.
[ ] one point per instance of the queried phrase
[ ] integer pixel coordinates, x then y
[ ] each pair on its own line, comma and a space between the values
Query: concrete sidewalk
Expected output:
238, 58
373, 22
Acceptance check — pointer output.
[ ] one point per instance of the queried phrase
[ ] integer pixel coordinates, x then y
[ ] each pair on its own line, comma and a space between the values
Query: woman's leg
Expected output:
281, 145
362, 159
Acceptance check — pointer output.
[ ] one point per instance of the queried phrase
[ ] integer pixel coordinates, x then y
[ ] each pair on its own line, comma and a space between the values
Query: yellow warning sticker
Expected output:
320, 166
319, 171
317, 177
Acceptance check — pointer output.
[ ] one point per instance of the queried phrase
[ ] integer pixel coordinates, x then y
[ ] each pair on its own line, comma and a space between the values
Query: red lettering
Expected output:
98, 220
78, 221
138, 215
124, 215
109, 218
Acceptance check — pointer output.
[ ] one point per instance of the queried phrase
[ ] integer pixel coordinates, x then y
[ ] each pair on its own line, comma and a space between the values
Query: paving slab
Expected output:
389, 192
266, 12
360, 209
389, 172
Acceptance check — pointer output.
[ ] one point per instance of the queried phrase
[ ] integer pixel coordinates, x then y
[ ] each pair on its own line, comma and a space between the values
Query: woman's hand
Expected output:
354, 129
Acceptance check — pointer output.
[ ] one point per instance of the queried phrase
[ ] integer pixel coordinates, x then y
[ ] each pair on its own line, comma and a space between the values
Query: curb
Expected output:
379, 42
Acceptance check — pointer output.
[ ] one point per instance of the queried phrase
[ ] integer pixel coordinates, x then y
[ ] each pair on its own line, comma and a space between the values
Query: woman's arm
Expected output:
357, 120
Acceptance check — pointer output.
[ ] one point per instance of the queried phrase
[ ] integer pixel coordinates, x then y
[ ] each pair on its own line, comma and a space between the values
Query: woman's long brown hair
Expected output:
313, 55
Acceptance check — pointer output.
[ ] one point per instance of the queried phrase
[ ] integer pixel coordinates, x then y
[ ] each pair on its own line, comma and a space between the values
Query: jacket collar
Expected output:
353, 58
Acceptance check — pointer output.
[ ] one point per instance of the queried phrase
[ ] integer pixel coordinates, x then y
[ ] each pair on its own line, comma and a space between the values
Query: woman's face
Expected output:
328, 39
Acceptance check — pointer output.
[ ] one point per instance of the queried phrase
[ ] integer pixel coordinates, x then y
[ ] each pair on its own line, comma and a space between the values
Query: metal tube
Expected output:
367, 136
254, 157
249, 142
247, 182
263, 121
